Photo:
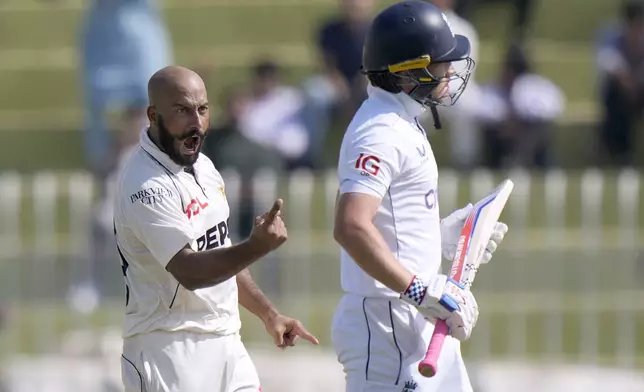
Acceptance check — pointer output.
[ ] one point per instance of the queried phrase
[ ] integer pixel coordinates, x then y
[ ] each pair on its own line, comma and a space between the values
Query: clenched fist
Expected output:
269, 231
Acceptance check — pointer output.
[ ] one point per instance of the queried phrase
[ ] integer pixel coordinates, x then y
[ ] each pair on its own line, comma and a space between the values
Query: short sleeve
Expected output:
368, 166
155, 215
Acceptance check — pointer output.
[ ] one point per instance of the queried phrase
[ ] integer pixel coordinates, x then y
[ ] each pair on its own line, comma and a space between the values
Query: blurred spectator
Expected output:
464, 133
620, 60
273, 117
338, 88
228, 148
340, 43
93, 277
123, 42
321, 99
523, 11
517, 113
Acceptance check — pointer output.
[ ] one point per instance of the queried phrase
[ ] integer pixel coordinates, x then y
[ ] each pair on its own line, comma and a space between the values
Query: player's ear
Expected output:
152, 115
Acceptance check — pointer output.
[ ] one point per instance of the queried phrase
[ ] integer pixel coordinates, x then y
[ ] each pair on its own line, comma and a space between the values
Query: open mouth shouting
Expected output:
191, 145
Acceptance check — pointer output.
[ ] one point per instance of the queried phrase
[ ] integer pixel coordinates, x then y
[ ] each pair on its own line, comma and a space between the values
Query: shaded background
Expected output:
561, 304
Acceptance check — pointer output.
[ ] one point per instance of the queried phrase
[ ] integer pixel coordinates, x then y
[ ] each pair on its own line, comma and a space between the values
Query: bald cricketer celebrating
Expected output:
184, 278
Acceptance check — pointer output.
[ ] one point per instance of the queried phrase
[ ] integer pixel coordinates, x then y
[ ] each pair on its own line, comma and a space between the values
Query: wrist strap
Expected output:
415, 292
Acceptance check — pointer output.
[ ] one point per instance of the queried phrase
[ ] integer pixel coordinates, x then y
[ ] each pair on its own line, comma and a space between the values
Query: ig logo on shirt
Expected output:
368, 165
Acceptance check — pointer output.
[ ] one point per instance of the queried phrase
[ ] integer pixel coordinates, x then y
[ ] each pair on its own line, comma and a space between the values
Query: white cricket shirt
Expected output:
159, 208
385, 153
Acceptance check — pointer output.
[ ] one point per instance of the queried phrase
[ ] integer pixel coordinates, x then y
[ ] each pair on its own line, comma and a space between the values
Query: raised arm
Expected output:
195, 270
158, 221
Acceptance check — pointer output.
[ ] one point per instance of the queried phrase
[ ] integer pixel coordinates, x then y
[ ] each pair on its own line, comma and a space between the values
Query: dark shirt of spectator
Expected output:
517, 113
341, 39
620, 62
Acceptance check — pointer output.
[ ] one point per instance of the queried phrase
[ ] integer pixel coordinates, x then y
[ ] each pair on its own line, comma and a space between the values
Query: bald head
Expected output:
178, 109
171, 81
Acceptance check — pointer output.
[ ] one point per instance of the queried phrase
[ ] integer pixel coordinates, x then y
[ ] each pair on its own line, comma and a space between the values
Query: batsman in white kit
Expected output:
387, 214
184, 278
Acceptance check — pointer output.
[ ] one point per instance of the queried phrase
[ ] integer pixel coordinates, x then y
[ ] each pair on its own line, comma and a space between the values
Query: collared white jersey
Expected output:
159, 208
385, 153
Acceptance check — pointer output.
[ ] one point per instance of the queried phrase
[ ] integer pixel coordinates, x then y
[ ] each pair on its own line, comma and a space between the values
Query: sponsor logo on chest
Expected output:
195, 207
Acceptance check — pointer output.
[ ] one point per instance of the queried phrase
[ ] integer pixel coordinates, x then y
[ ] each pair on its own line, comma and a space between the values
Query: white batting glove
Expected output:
451, 227
444, 299
498, 233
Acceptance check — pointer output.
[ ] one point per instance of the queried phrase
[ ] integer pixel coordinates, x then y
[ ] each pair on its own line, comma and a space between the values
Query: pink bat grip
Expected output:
429, 365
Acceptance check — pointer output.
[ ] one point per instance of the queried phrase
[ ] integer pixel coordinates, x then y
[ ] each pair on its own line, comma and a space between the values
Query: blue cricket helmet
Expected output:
403, 40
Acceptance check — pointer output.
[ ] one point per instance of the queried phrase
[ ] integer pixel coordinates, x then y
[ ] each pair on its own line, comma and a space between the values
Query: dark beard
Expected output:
169, 146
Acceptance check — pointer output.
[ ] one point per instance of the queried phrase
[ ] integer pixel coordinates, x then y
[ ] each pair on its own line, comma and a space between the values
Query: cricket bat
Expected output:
471, 245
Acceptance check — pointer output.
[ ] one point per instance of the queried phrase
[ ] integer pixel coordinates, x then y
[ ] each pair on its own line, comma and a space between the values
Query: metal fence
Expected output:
566, 284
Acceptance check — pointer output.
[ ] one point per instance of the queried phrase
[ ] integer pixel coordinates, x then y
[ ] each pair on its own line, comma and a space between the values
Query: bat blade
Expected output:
471, 245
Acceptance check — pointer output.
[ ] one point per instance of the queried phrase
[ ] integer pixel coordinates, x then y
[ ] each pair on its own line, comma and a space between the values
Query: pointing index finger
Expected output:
272, 214
306, 335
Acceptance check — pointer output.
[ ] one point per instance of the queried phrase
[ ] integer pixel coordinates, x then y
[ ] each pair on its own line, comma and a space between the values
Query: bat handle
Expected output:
429, 365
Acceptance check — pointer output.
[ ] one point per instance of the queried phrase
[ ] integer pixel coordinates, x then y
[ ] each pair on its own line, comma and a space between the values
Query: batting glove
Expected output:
451, 227
444, 299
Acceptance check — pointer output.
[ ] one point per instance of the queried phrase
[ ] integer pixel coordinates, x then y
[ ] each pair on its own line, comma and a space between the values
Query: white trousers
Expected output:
187, 362
380, 341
